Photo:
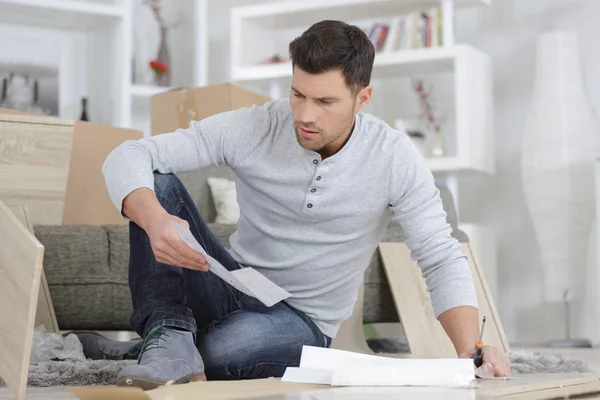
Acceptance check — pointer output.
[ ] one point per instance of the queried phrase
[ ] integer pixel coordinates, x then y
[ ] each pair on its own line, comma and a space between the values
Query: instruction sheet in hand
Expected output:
246, 280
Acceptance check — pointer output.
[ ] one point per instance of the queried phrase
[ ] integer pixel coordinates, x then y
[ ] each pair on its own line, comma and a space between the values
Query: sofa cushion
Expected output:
87, 292
74, 254
118, 250
196, 183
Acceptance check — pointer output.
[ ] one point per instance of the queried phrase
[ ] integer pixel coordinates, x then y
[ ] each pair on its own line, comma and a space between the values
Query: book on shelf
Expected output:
415, 30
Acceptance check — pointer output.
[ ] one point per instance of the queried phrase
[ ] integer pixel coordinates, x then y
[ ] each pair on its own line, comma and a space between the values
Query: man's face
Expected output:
324, 109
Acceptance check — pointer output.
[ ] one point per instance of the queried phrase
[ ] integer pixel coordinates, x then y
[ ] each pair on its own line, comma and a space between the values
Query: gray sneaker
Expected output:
166, 355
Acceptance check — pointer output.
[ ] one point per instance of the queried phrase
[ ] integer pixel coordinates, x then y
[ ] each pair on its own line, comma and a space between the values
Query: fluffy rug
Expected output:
529, 362
74, 373
522, 361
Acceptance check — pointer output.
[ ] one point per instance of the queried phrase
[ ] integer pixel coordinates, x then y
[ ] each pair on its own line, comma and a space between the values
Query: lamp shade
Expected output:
557, 165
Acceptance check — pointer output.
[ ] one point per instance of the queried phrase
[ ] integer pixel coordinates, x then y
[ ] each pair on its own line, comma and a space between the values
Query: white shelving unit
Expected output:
62, 14
146, 91
100, 66
262, 30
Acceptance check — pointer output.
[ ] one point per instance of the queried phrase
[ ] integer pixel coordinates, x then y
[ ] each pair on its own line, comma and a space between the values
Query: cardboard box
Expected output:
177, 108
53, 166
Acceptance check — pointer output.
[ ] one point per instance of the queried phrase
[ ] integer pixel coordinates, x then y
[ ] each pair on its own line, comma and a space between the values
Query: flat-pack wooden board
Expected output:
218, 390
53, 166
425, 335
540, 386
34, 164
523, 387
45, 315
526, 387
21, 258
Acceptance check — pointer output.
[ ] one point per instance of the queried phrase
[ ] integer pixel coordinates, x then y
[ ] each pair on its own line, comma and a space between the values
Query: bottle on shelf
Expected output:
84, 114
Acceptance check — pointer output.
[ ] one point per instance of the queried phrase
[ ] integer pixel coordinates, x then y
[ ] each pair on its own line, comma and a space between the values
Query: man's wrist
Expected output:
466, 353
461, 326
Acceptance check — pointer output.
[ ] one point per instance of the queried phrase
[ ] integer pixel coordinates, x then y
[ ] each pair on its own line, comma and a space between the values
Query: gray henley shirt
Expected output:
311, 225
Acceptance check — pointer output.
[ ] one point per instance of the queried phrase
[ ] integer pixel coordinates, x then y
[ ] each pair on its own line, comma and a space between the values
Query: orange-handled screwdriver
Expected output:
478, 356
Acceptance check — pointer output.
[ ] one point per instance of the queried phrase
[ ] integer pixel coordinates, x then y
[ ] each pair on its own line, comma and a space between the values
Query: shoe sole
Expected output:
91, 332
149, 384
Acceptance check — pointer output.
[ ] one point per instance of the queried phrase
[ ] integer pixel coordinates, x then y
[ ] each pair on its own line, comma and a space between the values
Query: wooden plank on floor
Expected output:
21, 258
45, 315
425, 335
526, 387
221, 390
539, 386
41, 394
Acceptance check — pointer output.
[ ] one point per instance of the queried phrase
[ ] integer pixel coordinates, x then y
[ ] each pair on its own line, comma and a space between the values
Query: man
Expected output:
317, 182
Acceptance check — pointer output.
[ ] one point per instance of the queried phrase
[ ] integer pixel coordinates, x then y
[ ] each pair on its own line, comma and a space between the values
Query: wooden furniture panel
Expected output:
527, 387
21, 257
53, 167
45, 315
425, 335
34, 164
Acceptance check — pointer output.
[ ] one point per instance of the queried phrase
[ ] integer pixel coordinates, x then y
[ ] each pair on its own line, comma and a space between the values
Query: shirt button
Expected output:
315, 162
313, 190
318, 178
309, 205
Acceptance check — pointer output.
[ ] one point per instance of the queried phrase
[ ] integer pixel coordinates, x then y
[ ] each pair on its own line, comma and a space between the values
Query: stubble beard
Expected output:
324, 139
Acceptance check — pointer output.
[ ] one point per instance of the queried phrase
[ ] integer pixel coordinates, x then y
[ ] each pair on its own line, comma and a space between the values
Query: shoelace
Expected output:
150, 342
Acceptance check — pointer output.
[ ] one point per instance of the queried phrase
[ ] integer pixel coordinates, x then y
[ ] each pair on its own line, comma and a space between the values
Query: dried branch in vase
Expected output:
156, 7
428, 116
424, 97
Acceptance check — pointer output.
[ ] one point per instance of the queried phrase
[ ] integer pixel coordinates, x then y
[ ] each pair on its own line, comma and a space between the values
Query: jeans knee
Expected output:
168, 190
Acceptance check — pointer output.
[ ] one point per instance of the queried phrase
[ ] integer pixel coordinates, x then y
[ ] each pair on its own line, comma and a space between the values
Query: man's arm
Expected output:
222, 139
462, 327
416, 205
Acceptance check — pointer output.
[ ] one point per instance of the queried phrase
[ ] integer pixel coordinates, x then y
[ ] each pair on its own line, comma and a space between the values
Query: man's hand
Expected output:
143, 208
497, 360
169, 248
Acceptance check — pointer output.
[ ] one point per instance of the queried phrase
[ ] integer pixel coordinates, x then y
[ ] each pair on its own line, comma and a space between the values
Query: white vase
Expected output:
557, 165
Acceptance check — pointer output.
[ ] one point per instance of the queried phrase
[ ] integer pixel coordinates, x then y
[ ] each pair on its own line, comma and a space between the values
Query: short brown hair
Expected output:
330, 45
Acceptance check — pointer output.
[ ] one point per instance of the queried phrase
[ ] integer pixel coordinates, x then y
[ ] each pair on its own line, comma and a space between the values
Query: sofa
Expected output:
86, 266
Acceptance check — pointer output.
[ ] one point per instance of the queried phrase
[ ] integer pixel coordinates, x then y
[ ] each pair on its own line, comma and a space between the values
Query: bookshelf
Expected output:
97, 48
62, 14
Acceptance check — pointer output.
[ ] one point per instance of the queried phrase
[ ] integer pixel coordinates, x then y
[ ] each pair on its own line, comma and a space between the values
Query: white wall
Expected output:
507, 31
218, 28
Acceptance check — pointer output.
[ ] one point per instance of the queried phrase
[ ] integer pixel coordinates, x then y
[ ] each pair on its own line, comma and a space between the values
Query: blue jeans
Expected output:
237, 336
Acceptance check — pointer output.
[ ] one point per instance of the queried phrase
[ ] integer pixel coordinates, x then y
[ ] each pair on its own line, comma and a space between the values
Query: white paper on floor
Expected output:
246, 280
343, 368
